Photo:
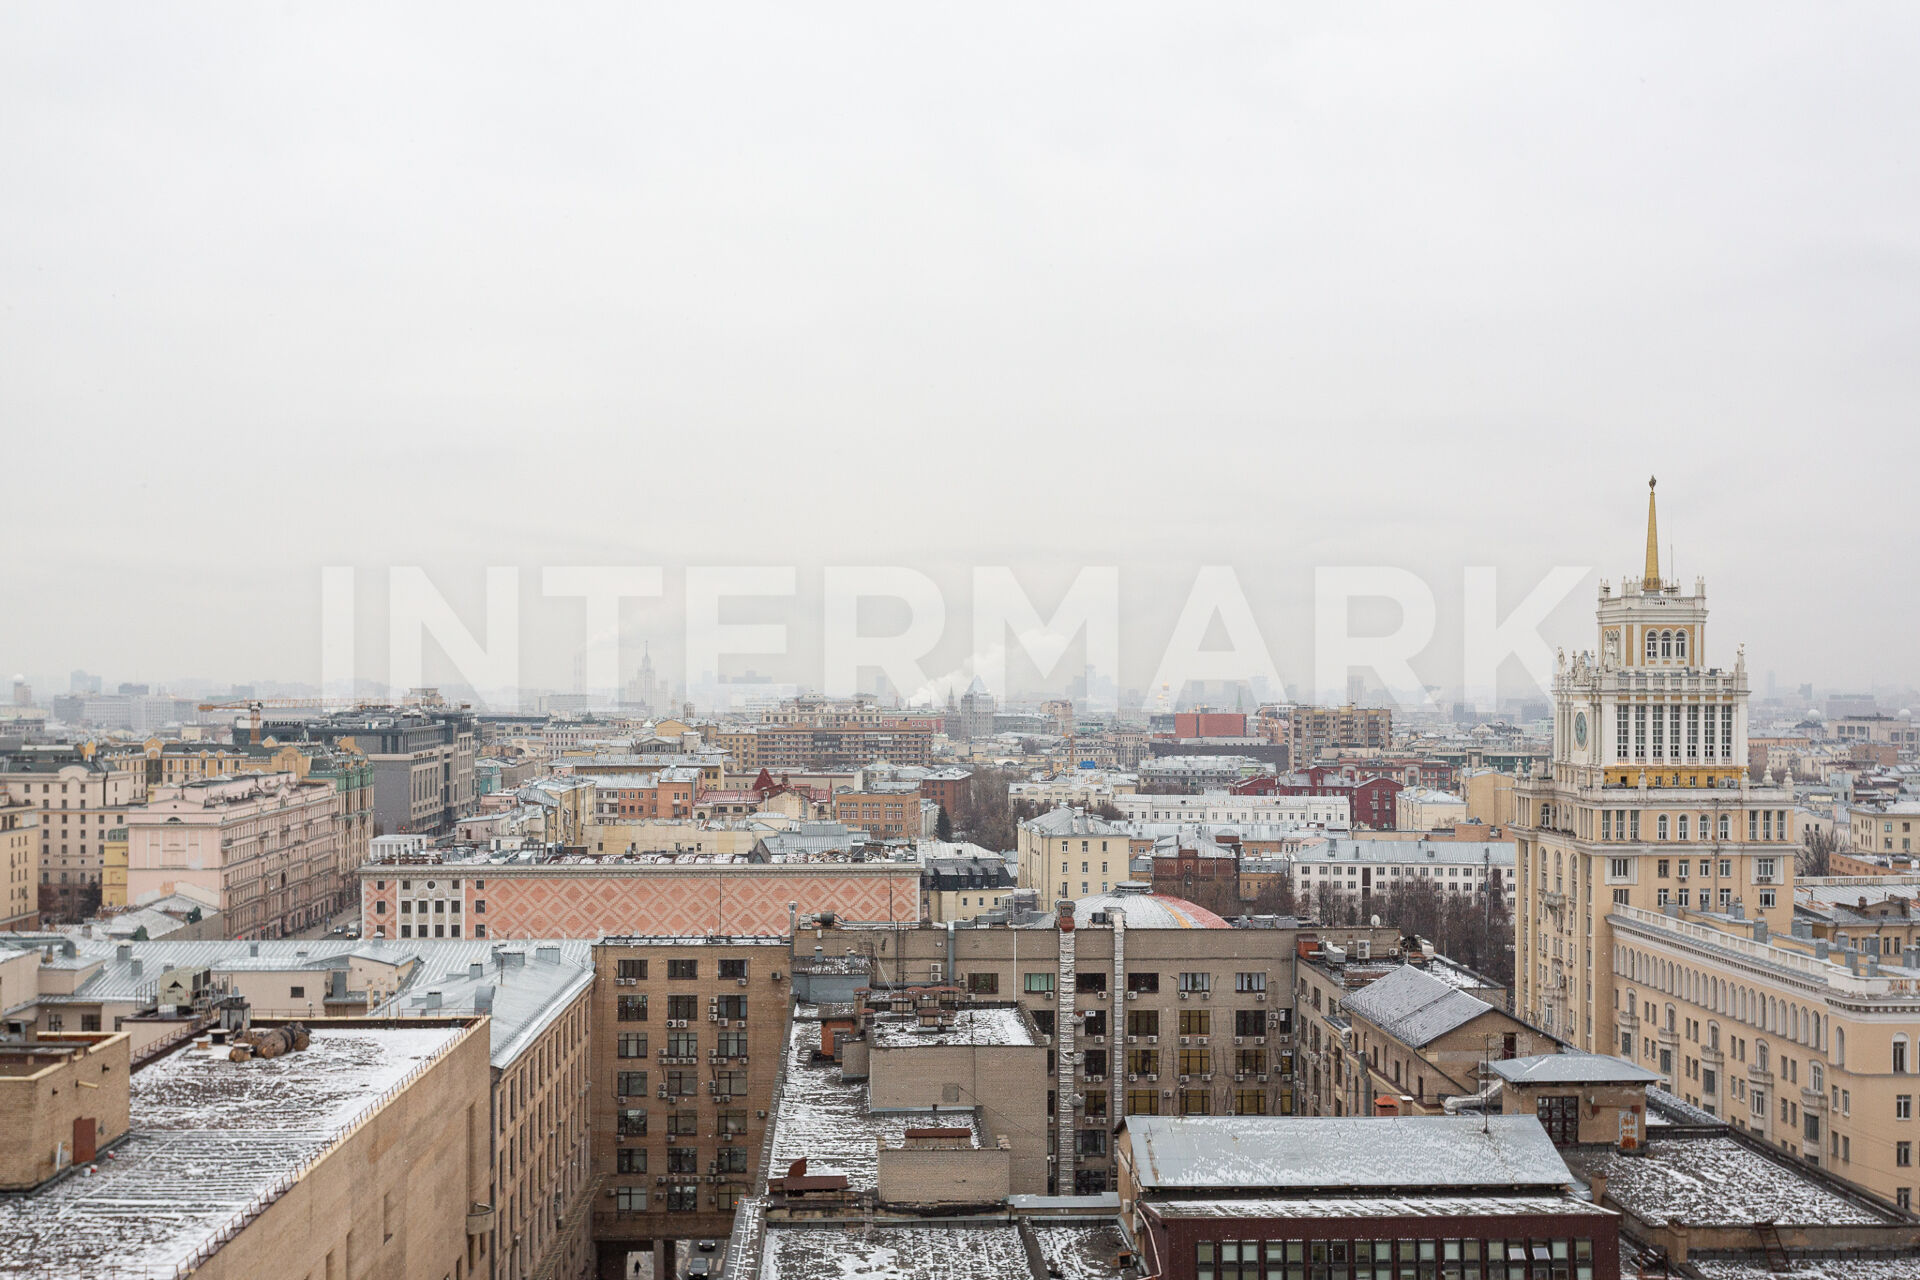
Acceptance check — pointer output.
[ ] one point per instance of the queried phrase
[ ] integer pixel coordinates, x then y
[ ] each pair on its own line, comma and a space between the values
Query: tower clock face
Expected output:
1579, 728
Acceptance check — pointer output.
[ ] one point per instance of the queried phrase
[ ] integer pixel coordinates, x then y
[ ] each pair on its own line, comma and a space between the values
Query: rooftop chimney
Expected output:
136, 967
476, 969
483, 1000
124, 951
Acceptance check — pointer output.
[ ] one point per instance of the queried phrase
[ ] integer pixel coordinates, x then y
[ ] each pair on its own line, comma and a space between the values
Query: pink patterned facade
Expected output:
477, 900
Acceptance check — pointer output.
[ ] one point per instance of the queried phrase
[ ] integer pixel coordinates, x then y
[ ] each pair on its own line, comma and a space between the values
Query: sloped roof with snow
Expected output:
1413, 1006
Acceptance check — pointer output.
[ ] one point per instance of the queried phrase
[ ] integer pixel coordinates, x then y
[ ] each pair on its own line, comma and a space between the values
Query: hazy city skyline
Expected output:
1044, 289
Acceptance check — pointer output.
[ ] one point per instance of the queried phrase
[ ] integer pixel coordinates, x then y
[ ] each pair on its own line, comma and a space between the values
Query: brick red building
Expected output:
1206, 875
1370, 800
1209, 724
947, 788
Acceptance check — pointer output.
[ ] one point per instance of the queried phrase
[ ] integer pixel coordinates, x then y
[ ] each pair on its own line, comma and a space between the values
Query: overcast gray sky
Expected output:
1043, 285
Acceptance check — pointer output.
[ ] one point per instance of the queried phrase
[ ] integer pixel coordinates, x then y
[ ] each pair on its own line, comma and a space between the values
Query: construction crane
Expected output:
254, 706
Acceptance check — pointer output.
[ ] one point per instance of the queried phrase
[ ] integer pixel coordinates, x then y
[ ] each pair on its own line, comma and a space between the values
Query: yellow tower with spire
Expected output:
1652, 576
1645, 806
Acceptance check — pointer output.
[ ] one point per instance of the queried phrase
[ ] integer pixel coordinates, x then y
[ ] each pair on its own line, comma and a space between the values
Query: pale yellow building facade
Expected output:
1644, 804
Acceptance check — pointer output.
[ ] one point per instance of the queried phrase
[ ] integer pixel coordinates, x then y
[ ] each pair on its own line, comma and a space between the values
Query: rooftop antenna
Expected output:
1486, 1116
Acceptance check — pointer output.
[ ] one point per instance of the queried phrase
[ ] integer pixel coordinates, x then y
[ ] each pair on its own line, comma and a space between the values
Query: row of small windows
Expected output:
1666, 644
1741, 1003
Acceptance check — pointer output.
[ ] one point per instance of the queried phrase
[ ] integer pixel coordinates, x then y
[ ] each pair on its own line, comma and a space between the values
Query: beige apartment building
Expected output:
20, 859
1801, 1043
1883, 827
362, 1155
1146, 1012
1379, 1036
265, 845
1645, 803
1312, 731
81, 795
1068, 853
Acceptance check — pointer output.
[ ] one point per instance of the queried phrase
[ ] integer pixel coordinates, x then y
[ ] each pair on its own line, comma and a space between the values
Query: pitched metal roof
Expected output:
1413, 1006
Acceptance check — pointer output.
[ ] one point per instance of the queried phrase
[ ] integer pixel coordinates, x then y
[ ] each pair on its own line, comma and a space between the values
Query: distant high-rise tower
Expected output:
644, 690
1645, 807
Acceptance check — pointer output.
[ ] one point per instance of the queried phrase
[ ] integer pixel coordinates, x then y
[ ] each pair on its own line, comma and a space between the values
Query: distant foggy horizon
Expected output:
291, 290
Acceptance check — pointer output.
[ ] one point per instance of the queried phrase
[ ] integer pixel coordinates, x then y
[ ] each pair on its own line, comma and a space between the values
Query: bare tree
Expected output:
1816, 857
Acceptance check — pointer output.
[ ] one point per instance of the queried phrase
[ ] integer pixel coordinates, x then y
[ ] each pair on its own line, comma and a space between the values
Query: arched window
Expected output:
1725, 825
1680, 645
1666, 644
1662, 826
1683, 826
1653, 645
1839, 1046
1899, 1055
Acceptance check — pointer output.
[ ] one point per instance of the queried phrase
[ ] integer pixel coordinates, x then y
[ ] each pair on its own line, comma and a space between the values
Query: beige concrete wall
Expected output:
541, 1150
1008, 1082
41, 1103
19, 980
1490, 797
390, 1201
19, 864
929, 1176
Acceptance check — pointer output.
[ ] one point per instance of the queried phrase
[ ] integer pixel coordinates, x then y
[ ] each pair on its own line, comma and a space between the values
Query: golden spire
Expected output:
1652, 579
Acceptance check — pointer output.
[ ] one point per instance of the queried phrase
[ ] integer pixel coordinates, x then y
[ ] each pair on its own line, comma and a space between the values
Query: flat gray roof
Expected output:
1572, 1068
1336, 1152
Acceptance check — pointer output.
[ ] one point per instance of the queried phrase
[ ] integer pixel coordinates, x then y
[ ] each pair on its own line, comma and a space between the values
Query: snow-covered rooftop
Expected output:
1081, 1252
1360, 1152
1716, 1181
1413, 1006
993, 1025
909, 1253
210, 1139
522, 1000
825, 1118
1855, 1267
